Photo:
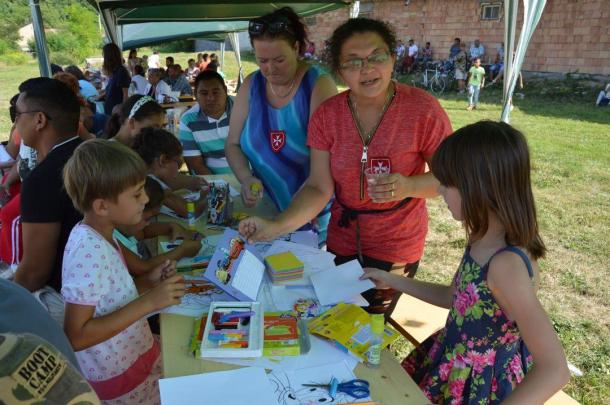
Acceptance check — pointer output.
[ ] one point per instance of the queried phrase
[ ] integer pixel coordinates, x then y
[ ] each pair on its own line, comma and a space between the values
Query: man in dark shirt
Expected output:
47, 119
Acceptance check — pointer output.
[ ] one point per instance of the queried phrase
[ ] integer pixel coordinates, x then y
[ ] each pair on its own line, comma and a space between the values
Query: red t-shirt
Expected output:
411, 130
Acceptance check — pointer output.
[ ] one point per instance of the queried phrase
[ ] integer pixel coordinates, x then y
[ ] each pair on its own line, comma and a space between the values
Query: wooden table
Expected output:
390, 384
184, 104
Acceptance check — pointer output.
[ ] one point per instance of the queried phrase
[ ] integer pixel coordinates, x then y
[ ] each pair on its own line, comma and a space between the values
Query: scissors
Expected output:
355, 388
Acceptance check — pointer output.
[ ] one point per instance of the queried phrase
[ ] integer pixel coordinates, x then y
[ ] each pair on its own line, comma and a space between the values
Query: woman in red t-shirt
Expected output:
380, 126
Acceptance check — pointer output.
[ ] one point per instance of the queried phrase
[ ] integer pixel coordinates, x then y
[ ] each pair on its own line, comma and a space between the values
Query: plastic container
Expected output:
374, 352
190, 217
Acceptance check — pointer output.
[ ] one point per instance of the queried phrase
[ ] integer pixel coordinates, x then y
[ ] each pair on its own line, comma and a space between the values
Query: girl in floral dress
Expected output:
498, 344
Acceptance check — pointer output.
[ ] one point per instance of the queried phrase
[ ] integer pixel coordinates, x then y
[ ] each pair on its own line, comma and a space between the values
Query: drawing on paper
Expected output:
286, 394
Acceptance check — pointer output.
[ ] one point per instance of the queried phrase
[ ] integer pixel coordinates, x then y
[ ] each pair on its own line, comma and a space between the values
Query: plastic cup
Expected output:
373, 175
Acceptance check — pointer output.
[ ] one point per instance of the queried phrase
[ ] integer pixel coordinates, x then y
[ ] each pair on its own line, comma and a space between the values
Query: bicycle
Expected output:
432, 79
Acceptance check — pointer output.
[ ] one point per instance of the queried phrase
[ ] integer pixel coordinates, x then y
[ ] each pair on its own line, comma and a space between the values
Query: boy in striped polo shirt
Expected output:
204, 127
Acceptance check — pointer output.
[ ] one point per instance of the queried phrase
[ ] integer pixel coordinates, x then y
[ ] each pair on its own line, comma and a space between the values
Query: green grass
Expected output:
569, 140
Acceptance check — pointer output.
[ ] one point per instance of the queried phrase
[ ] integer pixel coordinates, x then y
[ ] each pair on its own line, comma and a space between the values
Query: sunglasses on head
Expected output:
259, 26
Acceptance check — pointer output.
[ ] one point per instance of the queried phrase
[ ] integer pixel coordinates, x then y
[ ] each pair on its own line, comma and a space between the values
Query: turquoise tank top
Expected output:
275, 142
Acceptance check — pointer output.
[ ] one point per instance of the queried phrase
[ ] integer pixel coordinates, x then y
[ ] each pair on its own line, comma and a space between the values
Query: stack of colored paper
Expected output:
284, 267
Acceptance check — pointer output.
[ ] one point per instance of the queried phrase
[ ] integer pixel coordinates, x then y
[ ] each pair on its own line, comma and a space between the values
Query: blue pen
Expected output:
172, 245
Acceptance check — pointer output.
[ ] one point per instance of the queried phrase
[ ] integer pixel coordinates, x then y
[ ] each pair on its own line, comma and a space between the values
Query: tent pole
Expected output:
41, 42
222, 54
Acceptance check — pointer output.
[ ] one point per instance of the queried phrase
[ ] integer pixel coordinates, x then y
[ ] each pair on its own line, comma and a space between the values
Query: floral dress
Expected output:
479, 356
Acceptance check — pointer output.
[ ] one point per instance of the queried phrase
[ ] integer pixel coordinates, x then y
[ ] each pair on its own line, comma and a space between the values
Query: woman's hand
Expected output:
251, 191
382, 279
256, 229
393, 187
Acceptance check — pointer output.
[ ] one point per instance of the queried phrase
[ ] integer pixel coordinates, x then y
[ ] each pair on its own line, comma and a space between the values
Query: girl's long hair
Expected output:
488, 162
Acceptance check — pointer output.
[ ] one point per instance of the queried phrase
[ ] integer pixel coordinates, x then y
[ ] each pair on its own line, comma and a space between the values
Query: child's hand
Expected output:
161, 272
189, 248
379, 277
179, 232
251, 191
167, 293
198, 183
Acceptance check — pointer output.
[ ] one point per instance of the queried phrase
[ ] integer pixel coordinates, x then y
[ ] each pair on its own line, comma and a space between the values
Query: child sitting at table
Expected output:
162, 153
106, 309
129, 236
482, 355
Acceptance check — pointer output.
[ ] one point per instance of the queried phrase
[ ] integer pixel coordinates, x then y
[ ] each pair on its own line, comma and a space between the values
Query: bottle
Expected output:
190, 216
374, 352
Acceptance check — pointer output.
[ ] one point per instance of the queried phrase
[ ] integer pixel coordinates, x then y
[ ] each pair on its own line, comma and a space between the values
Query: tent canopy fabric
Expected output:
138, 11
147, 34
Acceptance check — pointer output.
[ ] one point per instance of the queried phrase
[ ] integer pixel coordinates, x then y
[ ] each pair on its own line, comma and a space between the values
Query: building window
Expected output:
366, 10
491, 11
310, 21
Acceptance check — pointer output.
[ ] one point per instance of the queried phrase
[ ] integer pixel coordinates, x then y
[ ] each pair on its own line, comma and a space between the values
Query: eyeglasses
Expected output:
374, 59
19, 113
259, 26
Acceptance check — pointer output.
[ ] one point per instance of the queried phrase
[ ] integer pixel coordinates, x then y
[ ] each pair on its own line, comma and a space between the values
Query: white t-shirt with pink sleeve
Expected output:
126, 367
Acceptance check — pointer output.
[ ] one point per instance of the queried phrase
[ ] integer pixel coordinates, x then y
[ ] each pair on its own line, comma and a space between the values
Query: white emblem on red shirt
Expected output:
381, 165
277, 140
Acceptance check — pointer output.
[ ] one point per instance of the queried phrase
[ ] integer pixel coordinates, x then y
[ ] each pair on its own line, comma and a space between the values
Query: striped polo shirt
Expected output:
205, 136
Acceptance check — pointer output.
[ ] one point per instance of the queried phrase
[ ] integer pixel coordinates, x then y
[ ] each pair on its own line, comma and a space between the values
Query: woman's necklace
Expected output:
294, 79
368, 137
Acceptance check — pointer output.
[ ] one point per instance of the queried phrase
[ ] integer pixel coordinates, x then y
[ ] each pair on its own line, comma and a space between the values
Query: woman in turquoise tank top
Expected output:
266, 146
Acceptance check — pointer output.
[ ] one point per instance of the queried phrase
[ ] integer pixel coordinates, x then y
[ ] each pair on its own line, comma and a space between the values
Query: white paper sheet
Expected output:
321, 353
339, 284
208, 245
289, 389
248, 275
197, 303
234, 387
284, 297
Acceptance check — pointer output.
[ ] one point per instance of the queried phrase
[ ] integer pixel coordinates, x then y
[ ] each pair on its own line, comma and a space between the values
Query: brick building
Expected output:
573, 35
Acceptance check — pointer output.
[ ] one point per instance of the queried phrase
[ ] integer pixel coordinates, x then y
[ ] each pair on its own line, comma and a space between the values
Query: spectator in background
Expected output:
133, 61
477, 50
412, 52
118, 84
144, 63
138, 81
157, 88
205, 126
85, 121
153, 61
498, 64
169, 61
460, 68
400, 50
455, 48
192, 71
199, 59
177, 81
426, 54
214, 67
55, 68
603, 98
205, 60
87, 90
310, 51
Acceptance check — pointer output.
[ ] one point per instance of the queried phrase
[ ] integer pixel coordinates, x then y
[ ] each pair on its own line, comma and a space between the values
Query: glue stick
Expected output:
190, 216
374, 352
